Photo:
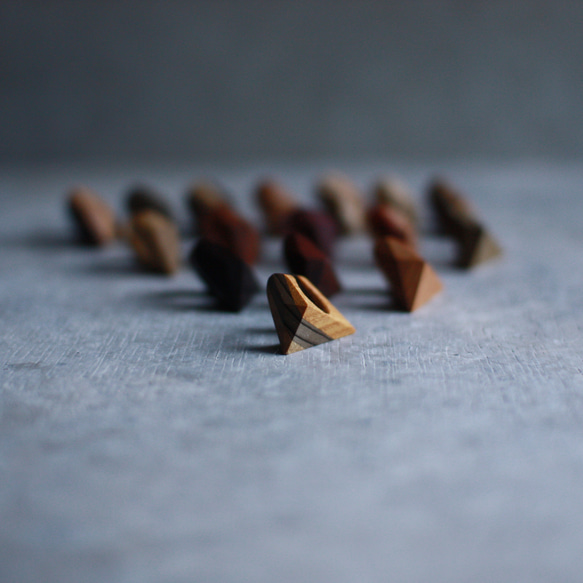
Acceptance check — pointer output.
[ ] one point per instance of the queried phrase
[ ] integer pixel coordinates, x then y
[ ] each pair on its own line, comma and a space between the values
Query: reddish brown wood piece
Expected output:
225, 227
386, 221
413, 282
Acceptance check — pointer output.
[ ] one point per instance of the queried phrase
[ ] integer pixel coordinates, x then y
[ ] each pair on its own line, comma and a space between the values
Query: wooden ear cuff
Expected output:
302, 315
413, 281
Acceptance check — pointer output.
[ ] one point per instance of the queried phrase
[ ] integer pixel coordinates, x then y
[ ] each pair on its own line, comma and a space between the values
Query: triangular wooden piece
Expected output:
302, 315
476, 246
228, 278
412, 280
155, 241
93, 217
305, 258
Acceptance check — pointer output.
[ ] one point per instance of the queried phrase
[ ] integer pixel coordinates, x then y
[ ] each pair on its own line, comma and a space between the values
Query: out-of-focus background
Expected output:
230, 80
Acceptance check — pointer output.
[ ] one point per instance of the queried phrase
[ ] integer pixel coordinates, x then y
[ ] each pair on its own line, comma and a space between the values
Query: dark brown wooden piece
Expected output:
225, 227
451, 207
317, 226
302, 315
413, 282
94, 218
304, 258
458, 219
155, 241
228, 278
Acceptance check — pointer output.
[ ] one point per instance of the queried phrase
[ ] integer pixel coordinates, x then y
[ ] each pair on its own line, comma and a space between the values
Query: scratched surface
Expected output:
145, 436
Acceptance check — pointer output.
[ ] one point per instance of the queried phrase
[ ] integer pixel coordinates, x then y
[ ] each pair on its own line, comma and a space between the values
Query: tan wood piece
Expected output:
343, 201
155, 241
393, 192
203, 197
302, 315
475, 245
413, 281
94, 217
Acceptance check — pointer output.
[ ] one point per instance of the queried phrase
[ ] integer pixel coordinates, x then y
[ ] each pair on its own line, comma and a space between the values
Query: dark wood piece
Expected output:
225, 227
458, 219
228, 278
304, 258
317, 226
302, 315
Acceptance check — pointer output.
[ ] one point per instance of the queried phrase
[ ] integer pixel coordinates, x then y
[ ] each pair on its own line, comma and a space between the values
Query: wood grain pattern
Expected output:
302, 315
413, 281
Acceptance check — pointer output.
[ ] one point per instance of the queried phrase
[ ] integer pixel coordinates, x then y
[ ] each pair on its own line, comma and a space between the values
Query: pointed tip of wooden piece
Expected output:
428, 286
302, 315
413, 281
476, 246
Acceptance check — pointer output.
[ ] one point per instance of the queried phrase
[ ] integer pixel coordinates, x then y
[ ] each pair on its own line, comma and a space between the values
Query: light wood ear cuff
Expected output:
302, 315
412, 280
155, 242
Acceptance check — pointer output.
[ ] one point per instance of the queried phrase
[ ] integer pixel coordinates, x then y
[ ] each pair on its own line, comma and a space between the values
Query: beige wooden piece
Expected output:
302, 315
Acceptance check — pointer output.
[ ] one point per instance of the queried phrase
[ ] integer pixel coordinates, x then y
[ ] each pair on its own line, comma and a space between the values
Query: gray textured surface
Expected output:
232, 80
144, 437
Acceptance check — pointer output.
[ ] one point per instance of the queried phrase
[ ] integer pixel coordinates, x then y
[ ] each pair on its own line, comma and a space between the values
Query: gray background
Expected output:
227, 80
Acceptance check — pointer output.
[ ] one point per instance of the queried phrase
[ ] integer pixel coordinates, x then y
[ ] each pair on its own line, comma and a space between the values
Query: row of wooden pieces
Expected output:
394, 214
302, 313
